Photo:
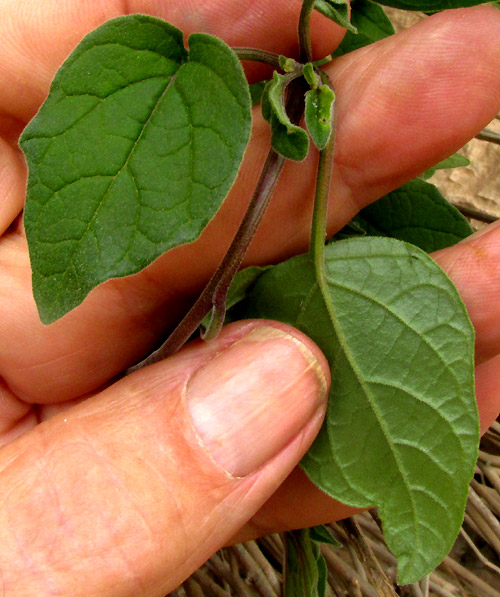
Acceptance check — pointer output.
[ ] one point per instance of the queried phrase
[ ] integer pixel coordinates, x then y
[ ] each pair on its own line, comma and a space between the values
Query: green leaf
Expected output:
242, 283
371, 23
401, 431
416, 213
337, 11
430, 5
256, 91
288, 65
322, 535
454, 161
306, 571
131, 154
287, 138
311, 75
319, 114
352, 228
322, 575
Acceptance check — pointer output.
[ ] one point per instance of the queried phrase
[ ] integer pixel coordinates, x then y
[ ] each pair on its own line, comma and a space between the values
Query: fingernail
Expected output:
254, 397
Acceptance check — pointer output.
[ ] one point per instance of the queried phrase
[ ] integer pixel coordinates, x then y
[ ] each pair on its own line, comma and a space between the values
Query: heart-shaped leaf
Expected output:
131, 154
402, 429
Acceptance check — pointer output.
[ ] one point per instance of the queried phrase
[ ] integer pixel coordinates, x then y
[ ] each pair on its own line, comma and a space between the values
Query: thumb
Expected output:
133, 489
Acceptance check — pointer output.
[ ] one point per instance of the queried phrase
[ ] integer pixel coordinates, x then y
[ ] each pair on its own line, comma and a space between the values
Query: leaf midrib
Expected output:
323, 288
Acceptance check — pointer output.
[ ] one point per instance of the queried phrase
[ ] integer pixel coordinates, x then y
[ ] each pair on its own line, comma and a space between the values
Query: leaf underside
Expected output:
131, 154
401, 431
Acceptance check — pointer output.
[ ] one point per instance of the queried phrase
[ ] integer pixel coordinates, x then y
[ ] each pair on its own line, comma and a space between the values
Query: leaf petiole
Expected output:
256, 55
320, 210
322, 61
305, 47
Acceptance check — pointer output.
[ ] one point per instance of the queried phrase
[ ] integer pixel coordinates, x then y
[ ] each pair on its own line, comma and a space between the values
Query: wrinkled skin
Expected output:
403, 104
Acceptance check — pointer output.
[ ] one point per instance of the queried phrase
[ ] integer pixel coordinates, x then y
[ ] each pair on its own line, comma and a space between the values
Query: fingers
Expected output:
170, 461
78, 354
16, 417
298, 503
403, 103
12, 185
35, 43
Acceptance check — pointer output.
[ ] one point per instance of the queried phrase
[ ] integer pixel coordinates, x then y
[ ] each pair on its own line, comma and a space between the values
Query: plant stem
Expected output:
322, 61
213, 296
258, 56
475, 214
489, 135
320, 213
219, 282
318, 229
305, 48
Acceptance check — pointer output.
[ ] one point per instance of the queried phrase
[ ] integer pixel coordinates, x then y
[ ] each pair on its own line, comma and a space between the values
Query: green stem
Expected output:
323, 180
305, 48
323, 61
258, 56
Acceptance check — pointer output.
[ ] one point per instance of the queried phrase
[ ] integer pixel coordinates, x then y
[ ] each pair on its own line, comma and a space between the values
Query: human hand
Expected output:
114, 494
